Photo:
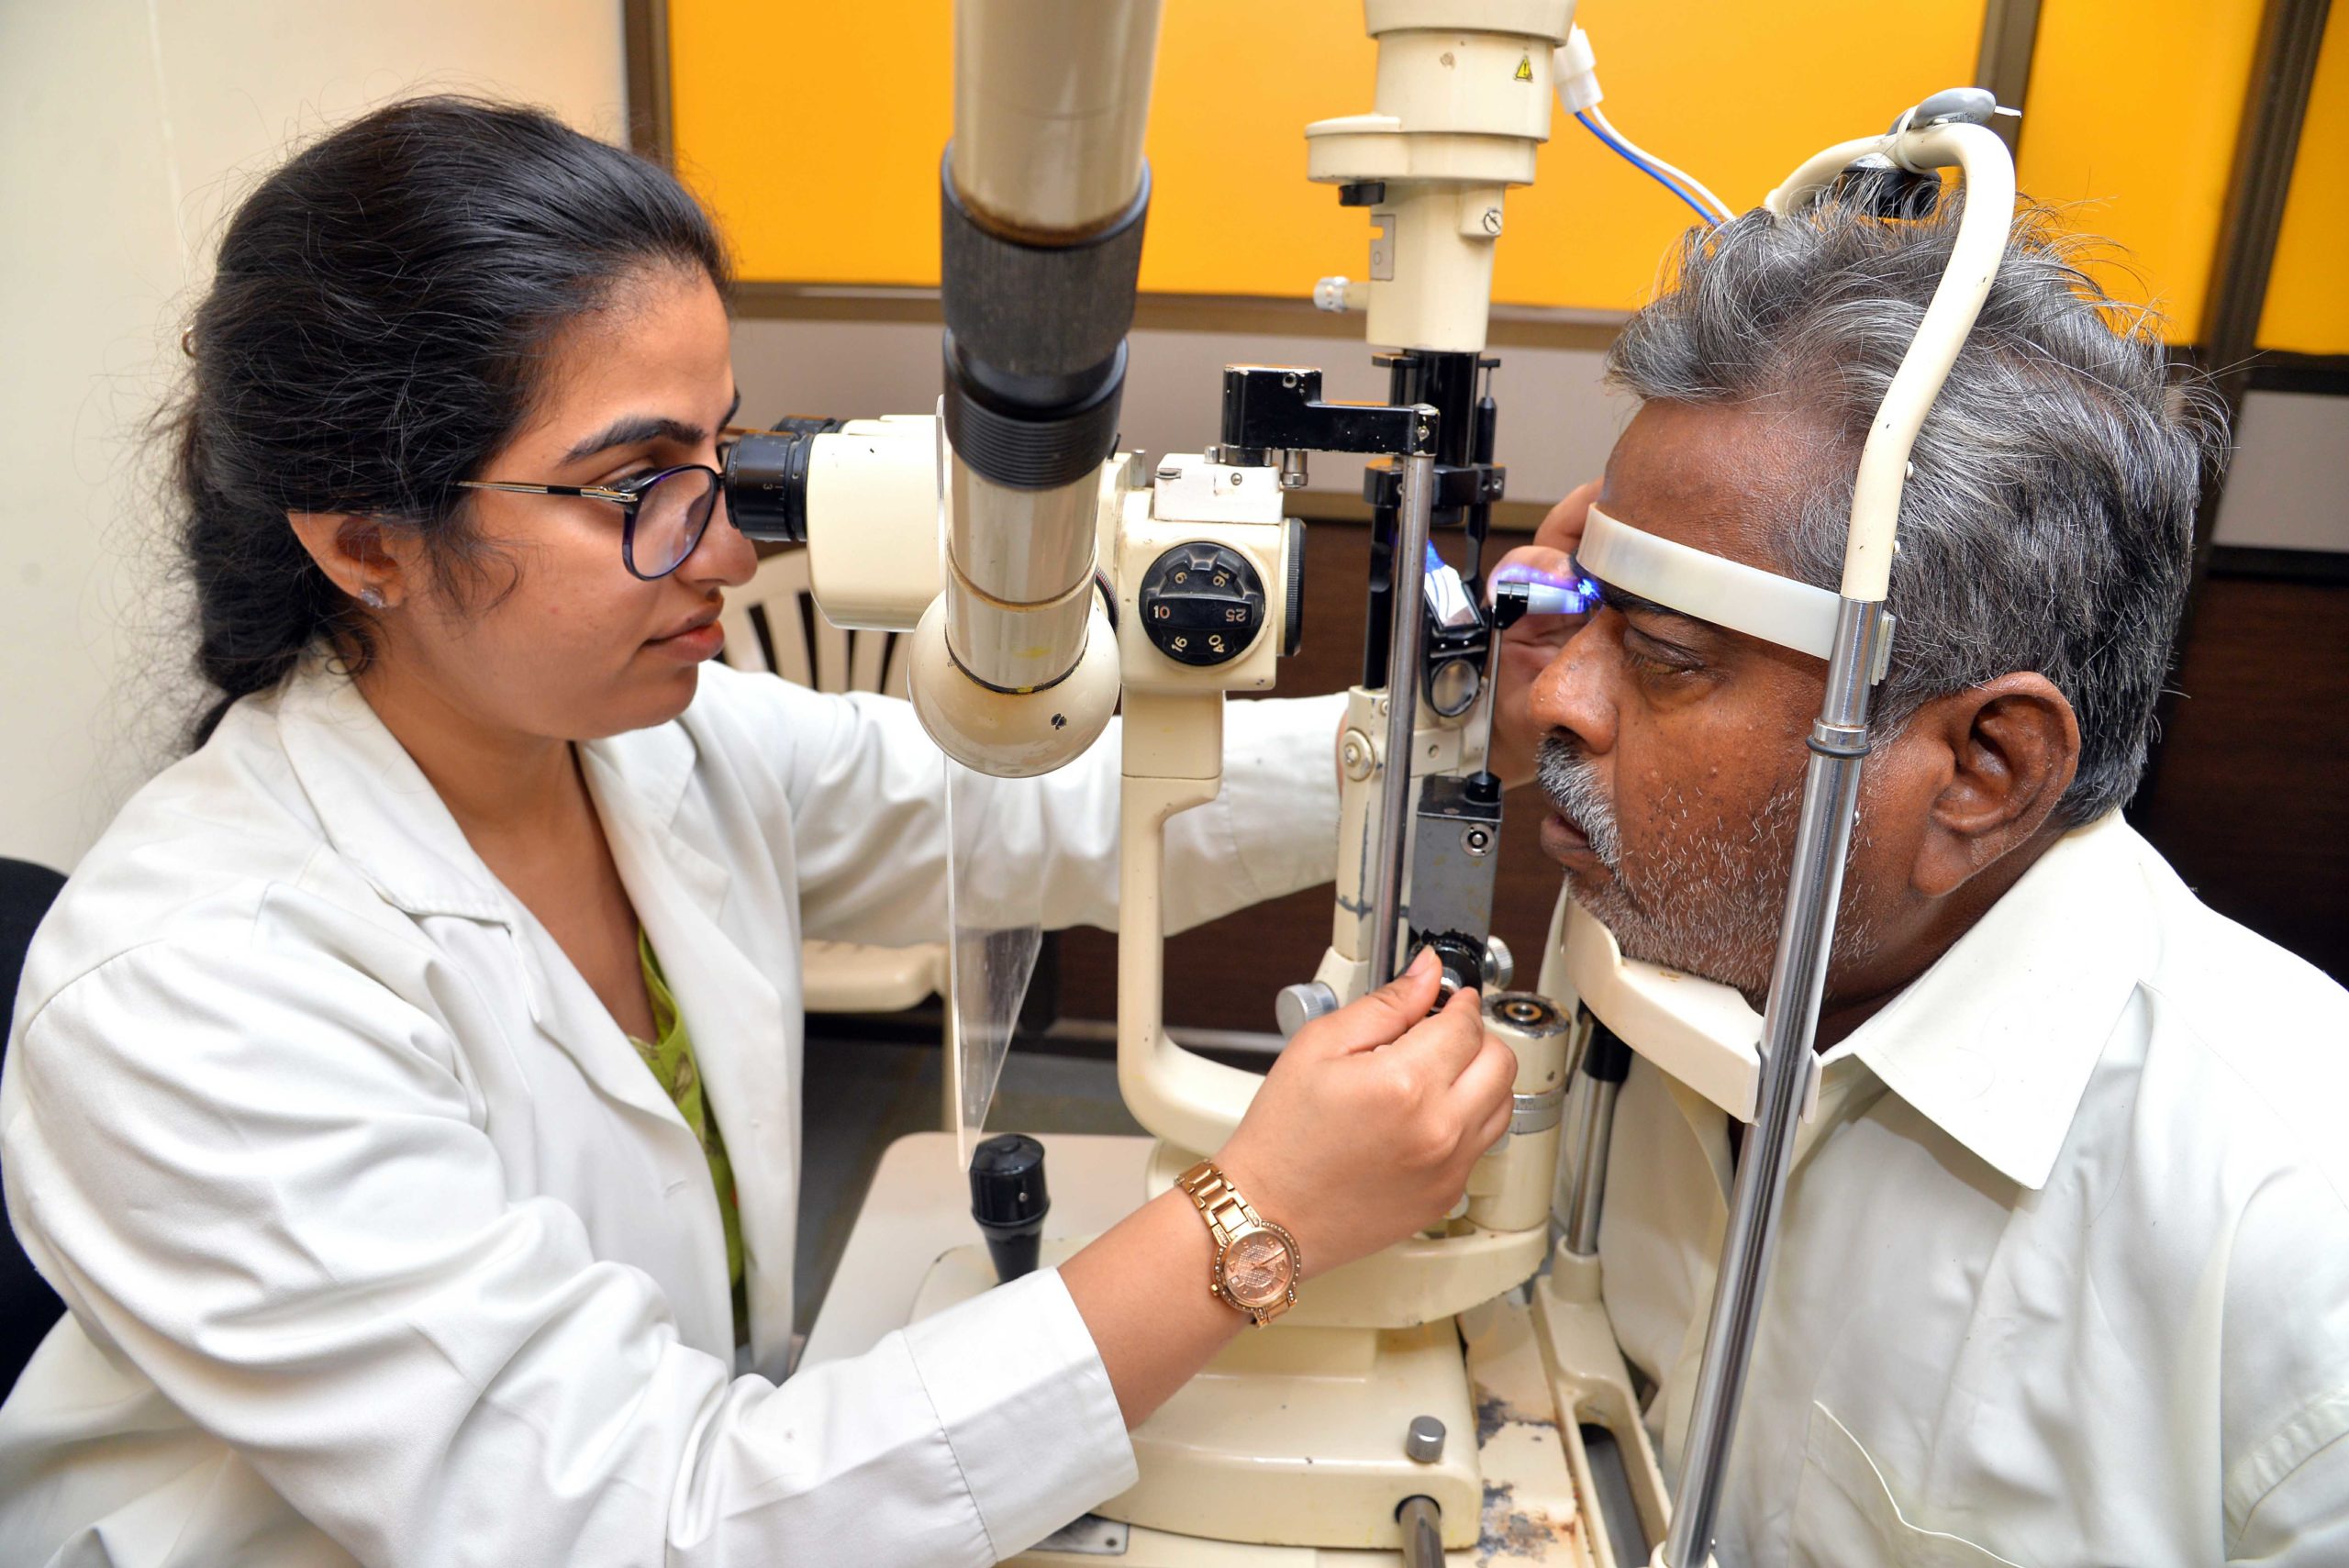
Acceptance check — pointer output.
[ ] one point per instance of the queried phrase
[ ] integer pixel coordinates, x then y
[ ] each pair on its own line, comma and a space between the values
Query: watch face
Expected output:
1257, 1270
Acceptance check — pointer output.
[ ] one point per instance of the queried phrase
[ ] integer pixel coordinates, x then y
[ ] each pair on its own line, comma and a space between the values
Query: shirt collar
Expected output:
656, 763
383, 815
375, 804
1996, 1041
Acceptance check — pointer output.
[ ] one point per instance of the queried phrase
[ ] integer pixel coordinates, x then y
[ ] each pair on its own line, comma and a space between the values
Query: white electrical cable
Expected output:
1577, 74
1688, 182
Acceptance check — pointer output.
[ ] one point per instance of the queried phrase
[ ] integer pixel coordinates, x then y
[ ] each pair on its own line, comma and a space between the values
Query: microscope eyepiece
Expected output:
766, 479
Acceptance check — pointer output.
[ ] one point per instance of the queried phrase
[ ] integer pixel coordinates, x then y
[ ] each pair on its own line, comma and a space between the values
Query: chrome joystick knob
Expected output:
1299, 1005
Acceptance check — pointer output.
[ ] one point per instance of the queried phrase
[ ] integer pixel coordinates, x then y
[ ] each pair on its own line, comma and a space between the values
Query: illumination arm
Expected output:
1044, 192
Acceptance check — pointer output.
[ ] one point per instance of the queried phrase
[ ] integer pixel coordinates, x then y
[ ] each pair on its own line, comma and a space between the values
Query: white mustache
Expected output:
1571, 780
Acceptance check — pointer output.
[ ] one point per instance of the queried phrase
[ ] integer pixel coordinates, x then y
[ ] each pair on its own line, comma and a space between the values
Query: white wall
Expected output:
2288, 487
127, 131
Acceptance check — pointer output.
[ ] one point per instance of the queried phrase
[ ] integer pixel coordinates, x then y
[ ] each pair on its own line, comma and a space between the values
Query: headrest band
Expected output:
1709, 588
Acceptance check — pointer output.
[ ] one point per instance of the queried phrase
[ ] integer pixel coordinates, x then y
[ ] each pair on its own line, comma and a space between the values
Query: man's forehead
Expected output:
1728, 478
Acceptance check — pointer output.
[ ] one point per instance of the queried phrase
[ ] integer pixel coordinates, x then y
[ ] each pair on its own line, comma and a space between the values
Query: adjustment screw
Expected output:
1298, 1004
1423, 1444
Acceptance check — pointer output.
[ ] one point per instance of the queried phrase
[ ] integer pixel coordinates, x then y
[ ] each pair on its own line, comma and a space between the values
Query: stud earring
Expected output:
372, 596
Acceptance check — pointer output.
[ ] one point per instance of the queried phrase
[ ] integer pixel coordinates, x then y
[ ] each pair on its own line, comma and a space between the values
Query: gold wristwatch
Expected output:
1255, 1260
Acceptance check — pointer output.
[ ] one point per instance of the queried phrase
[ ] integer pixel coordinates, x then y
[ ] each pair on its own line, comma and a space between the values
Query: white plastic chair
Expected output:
771, 625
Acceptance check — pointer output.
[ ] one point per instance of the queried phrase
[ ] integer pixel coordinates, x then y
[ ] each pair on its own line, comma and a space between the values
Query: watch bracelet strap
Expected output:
1218, 1202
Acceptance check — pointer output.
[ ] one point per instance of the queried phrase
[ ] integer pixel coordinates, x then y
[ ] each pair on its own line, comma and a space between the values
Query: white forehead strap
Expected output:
1709, 587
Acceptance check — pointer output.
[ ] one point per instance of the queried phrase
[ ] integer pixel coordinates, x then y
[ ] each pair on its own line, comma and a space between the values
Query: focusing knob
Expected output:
1202, 603
1299, 1005
1463, 959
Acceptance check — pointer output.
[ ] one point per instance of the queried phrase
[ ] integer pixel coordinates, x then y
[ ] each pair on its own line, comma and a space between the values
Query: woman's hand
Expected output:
1363, 1133
1365, 1128
1528, 647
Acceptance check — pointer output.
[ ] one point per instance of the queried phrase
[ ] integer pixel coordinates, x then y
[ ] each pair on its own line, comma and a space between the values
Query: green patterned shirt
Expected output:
671, 1058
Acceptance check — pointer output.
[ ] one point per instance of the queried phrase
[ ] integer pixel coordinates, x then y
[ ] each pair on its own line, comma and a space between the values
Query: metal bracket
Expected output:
1271, 408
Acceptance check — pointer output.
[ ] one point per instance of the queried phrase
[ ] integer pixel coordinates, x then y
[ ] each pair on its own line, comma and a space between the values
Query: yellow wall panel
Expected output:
2132, 114
2308, 291
1736, 92
814, 129
1230, 210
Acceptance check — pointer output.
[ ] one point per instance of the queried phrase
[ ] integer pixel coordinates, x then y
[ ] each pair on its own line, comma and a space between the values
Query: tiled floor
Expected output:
861, 1096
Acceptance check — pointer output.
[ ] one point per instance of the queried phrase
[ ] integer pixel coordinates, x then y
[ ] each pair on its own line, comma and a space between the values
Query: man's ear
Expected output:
2006, 751
358, 555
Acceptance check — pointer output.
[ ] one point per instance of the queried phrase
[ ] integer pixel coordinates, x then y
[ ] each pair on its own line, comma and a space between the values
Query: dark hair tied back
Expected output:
369, 341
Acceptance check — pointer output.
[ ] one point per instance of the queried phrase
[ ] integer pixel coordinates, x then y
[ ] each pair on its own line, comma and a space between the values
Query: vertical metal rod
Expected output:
1423, 1526
1402, 710
1790, 1028
1596, 1125
1488, 700
1606, 1061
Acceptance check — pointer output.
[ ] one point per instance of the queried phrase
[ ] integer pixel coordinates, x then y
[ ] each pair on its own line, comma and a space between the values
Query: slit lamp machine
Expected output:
1460, 1395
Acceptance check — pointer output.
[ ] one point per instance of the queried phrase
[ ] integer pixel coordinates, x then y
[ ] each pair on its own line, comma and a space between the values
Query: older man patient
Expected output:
2065, 1270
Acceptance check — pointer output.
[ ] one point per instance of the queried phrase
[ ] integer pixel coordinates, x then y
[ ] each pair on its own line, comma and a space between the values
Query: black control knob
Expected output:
1463, 959
1202, 603
1008, 1200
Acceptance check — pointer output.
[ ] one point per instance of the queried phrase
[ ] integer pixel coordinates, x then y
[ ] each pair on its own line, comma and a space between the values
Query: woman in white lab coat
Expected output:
404, 1095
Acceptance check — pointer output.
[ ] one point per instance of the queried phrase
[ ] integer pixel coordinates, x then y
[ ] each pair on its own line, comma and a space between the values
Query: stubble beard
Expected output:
1708, 897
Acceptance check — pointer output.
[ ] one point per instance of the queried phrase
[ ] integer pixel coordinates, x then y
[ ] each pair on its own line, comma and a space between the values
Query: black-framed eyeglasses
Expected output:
663, 514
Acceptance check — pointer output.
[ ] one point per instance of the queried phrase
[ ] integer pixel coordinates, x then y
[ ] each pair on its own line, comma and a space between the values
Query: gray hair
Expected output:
2048, 523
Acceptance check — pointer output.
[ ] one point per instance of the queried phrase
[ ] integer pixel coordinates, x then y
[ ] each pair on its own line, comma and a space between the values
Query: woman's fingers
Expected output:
1528, 647
1482, 1090
1561, 529
1445, 1044
1534, 558
1496, 1122
1380, 1019
1552, 552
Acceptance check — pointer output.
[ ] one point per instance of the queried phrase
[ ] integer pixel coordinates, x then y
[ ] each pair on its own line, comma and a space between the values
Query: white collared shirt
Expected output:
379, 1242
2064, 1271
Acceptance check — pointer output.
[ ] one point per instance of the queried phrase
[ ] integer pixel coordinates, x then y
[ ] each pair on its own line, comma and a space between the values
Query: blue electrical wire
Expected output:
1644, 167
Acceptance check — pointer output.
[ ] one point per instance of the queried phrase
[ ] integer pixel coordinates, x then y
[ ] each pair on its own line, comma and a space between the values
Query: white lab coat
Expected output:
2064, 1271
381, 1244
